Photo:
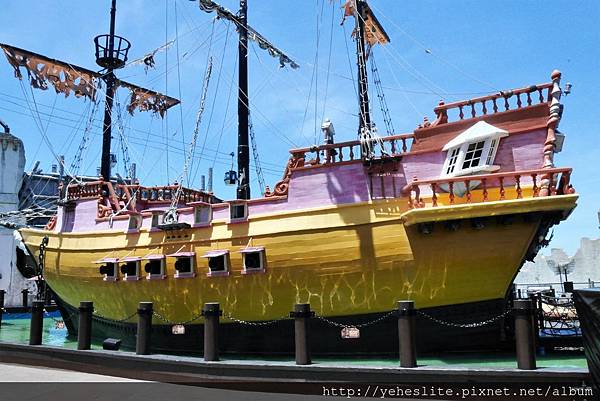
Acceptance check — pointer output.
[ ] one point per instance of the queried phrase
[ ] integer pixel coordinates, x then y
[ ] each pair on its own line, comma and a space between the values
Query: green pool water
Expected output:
17, 331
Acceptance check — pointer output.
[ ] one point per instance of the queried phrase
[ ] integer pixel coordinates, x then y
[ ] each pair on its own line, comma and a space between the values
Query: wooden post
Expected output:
407, 334
524, 334
25, 293
144, 328
84, 333
37, 323
211, 313
302, 315
2, 292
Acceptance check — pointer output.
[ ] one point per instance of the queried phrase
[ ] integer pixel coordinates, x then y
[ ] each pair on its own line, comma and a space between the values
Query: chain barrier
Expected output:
116, 321
167, 321
358, 326
465, 325
265, 323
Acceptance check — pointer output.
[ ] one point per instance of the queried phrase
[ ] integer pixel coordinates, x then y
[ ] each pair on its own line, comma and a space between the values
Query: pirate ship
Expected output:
444, 215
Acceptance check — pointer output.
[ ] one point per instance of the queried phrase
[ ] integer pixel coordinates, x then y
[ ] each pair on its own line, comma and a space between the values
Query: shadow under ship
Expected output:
445, 216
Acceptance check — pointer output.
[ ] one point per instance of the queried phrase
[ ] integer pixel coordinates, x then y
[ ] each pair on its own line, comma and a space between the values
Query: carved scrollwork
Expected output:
282, 187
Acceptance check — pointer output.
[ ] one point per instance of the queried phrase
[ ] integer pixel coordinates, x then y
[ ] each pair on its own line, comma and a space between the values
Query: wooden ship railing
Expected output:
487, 181
489, 104
393, 145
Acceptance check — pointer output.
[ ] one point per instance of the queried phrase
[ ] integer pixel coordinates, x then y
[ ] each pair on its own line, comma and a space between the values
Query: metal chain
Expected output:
358, 326
266, 323
465, 325
117, 321
167, 321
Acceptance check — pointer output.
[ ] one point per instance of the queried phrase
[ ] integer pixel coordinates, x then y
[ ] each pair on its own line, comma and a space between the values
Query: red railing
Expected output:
92, 189
544, 183
158, 194
392, 145
491, 104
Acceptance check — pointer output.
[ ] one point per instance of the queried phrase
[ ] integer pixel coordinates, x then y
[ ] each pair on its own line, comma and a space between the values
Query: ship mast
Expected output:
364, 120
243, 157
110, 58
246, 32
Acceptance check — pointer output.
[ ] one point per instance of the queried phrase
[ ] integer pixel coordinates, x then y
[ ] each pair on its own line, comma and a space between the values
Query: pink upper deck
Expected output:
318, 179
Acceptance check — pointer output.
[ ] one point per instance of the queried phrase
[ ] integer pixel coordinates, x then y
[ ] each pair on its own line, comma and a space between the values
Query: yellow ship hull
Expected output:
348, 260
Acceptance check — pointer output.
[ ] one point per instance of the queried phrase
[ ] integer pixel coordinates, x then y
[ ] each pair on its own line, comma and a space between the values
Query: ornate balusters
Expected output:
501, 179
451, 192
485, 191
404, 148
495, 105
351, 152
341, 154
518, 183
461, 114
541, 95
483, 108
519, 100
506, 104
468, 187
472, 109
434, 196
393, 146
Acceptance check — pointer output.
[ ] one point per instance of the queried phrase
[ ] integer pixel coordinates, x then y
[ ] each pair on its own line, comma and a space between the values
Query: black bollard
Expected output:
37, 323
524, 334
84, 333
25, 293
211, 313
302, 315
144, 328
407, 334
2, 292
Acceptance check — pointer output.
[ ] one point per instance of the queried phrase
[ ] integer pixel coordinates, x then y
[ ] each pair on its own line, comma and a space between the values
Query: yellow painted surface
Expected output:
347, 260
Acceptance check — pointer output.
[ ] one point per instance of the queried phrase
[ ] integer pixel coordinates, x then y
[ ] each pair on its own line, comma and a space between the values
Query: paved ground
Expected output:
24, 383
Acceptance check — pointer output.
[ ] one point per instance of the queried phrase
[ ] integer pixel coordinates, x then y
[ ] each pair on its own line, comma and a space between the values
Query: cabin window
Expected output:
473, 155
155, 220
254, 260
135, 222
218, 263
131, 270
202, 214
238, 211
473, 151
491, 152
155, 269
452, 160
109, 270
184, 265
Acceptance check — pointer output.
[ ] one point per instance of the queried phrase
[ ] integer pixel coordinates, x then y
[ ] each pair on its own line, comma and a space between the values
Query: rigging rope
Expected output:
387, 118
171, 214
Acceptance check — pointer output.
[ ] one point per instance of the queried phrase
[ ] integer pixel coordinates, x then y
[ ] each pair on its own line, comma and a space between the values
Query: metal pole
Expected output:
37, 323
84, 334
243, 161
524, 334
211, 313
407, 334
25, 293
144, 328
2, 292
302, 315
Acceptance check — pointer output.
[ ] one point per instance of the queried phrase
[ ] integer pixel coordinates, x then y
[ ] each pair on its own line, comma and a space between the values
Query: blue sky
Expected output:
474, 48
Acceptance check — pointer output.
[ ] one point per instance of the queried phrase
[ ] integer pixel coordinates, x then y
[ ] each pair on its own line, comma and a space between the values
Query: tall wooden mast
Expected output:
243, 156
111, 58
364, 120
